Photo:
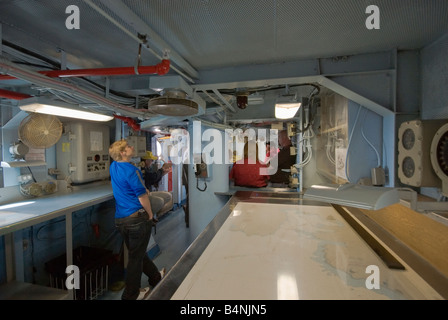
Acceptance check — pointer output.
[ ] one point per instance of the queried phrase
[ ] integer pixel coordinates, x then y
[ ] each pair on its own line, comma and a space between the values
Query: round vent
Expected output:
40, 131
439, 156
414, 147
173, 103
441, 153
408, 167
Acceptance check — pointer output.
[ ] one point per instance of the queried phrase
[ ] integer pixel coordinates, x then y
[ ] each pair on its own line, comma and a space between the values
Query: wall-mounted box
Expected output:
139, 144
82, 153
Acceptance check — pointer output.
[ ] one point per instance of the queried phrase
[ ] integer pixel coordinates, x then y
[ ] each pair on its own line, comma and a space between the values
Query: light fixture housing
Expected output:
286, 106
61, 109
353, 195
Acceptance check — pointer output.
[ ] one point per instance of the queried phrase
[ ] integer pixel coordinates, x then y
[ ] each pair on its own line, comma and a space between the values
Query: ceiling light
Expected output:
353, 195
286, 106
58, 108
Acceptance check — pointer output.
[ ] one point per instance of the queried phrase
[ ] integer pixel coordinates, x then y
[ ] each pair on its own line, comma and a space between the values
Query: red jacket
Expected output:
248, 175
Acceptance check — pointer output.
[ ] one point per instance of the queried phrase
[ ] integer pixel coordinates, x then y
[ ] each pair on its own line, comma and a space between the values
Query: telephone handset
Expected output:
200, 167
201, 170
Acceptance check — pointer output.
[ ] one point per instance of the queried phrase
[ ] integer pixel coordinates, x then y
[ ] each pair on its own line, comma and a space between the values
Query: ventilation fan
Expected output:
40, 131
414, 164
173, 103
439, 156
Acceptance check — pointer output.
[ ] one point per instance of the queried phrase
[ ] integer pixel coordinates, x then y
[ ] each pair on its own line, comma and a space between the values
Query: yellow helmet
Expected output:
149, 156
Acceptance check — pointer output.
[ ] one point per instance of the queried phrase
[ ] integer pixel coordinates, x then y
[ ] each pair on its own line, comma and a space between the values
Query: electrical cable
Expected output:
365, 138
117, 96
349, 144
32, 174
306, 142
330, 145
31, 53
197, 185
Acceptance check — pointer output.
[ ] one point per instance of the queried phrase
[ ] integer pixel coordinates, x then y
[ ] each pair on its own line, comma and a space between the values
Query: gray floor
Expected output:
173, 238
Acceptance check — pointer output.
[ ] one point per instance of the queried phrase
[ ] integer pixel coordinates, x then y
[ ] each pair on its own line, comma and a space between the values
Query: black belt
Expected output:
136, 214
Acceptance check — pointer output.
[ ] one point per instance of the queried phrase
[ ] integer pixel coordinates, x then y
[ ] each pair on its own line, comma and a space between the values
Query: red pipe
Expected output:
130, 122
13, 95
161, 69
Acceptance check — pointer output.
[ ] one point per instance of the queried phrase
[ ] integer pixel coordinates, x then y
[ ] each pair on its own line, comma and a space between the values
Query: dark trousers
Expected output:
136, 232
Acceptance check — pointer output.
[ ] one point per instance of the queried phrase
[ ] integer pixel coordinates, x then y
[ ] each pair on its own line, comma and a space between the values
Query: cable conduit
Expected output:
10, 68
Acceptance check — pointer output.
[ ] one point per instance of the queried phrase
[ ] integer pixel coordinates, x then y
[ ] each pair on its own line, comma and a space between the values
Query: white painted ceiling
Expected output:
206, 38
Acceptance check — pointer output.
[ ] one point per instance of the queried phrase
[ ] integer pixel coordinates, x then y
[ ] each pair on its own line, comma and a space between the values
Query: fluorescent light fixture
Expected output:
353, 195
21, 164
286, 107
57, 108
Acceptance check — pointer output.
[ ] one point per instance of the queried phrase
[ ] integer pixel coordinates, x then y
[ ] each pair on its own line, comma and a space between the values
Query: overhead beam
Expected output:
354, 96
336, 74
226, 103
289, 72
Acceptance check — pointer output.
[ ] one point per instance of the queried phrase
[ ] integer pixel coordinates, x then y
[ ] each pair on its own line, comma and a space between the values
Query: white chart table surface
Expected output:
266, 251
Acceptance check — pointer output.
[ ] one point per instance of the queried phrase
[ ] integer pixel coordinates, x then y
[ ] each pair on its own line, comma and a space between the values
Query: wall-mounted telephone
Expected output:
200, 166
200, 170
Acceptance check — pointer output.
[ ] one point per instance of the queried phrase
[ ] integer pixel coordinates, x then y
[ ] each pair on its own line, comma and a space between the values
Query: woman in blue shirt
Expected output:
134, 219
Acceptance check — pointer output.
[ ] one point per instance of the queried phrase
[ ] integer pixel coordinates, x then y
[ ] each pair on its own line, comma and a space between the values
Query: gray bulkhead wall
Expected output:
204, 205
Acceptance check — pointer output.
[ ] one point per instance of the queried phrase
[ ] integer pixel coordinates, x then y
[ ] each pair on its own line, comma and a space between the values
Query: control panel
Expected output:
83, 152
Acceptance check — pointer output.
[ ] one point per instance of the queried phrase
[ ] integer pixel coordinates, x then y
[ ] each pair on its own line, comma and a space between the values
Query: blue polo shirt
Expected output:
127, 186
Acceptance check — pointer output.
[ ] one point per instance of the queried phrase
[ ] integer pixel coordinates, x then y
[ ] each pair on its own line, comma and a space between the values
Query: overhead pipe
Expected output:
11, 68
126, 14
161, 69
129, 121
13, 95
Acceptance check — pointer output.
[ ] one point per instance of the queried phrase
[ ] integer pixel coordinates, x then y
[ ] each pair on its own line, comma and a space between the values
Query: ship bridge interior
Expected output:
190, 80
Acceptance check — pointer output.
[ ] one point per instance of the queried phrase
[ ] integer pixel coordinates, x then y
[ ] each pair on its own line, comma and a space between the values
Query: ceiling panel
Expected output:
217, 34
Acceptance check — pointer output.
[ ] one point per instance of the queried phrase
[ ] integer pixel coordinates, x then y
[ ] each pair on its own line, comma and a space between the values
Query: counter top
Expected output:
22, 214
15, 290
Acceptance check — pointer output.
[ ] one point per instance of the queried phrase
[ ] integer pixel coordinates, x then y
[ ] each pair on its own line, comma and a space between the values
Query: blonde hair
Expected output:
116, 148
251, 150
